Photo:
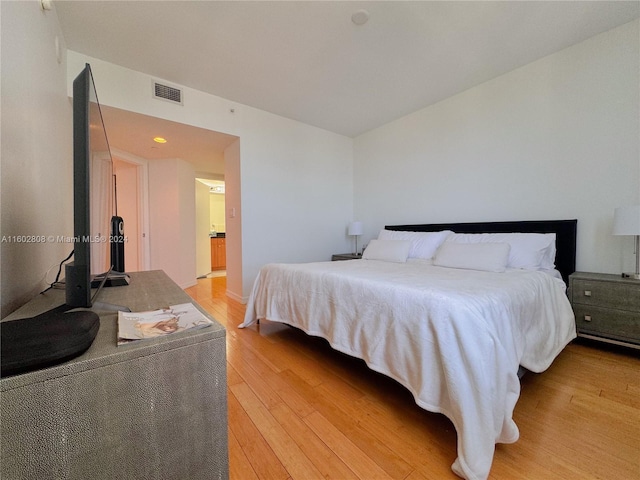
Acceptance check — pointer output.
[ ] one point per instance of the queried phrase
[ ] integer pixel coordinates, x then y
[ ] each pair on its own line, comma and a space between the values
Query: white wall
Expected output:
172, 220
296, 180
555, 139
297, 193
217, 217
36, 160
233, 220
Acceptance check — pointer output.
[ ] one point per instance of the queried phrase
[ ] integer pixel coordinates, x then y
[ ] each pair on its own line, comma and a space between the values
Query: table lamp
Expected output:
626, 221
355, 230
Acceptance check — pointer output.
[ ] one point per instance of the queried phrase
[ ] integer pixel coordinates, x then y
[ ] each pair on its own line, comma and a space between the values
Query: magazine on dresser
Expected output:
134, 326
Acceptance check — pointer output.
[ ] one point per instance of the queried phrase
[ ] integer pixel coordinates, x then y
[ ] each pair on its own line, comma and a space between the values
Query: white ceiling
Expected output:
133, 133
306, 60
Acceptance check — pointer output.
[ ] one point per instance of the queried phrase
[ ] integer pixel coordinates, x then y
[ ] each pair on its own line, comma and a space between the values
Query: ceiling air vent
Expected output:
167, 92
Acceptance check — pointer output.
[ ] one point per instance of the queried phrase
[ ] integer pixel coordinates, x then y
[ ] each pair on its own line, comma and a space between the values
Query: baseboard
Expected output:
237, 298
189, 284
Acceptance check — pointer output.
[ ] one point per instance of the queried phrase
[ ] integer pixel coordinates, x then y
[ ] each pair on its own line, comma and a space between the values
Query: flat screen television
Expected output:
93, 197
64, 332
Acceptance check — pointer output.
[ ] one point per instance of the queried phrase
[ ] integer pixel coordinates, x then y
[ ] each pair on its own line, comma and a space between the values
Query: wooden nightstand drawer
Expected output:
607, 307
617, 324
606, 294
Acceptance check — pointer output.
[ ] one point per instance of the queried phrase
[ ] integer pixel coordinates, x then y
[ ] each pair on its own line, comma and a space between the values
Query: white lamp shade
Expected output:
626, 220
355, 228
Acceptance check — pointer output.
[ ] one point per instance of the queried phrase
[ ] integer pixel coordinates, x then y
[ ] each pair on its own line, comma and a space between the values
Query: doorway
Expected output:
211, 256
131, 206
210, 153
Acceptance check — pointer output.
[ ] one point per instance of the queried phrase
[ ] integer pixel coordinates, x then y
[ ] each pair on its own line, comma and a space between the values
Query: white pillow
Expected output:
423, 244
529, 251
549, 255
490, 257
387, 250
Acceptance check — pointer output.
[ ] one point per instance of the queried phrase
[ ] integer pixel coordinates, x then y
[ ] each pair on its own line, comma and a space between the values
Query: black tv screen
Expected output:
93, 193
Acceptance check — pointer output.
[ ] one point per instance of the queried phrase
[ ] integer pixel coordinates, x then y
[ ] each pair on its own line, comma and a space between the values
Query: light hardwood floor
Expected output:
299, 410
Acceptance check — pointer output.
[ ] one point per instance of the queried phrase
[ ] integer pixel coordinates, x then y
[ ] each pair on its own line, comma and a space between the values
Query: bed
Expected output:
451, 311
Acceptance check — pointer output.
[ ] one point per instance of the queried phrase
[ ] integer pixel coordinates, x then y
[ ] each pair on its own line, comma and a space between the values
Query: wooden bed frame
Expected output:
565, 231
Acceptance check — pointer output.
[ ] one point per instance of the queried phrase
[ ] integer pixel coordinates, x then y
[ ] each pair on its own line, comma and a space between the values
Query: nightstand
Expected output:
345, 256
607, 307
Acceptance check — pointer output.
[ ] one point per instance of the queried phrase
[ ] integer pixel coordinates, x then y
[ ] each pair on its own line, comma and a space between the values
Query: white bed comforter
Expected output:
454, 338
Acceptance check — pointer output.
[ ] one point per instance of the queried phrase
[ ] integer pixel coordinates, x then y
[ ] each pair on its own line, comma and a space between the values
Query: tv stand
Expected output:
154, 408
114, 279
108, 307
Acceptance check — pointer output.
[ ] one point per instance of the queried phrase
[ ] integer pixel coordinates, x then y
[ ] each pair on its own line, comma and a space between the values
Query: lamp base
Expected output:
634, 276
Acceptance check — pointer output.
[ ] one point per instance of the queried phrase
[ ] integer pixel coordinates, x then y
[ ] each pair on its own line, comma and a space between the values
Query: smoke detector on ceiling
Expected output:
360, 17
169, 93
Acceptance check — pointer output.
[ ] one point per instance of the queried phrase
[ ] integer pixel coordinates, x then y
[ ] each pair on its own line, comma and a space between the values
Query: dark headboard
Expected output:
565, 231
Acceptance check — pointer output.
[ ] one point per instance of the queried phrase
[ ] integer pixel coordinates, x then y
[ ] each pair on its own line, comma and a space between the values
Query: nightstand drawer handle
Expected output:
587, 318
587, 293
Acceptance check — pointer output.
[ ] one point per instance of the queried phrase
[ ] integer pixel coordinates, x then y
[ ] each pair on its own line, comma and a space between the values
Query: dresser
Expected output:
154, 409
607, 307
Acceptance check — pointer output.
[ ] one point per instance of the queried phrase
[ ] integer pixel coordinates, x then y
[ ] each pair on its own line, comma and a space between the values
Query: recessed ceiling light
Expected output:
160, 140
360, 17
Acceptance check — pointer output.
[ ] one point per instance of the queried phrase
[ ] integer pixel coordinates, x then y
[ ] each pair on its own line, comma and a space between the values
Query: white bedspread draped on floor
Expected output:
454, 338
